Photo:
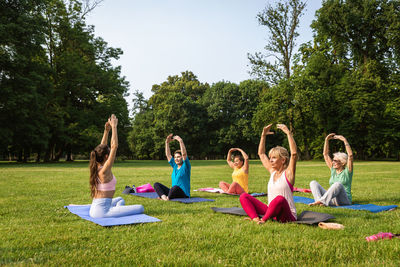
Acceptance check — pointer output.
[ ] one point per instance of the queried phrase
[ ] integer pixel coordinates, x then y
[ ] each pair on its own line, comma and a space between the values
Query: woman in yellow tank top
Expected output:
240, 175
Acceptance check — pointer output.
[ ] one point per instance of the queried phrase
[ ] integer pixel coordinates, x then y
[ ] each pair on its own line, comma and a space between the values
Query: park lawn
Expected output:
36, 229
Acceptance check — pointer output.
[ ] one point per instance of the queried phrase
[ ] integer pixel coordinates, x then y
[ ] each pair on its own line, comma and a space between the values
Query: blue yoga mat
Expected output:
182, 200
83, 212
370, 207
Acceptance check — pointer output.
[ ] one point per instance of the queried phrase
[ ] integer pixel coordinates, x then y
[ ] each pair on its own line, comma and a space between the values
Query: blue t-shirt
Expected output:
181, 176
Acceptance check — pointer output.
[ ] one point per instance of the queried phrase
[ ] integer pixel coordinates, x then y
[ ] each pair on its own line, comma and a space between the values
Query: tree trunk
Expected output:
307, 155
58, 155
26, 154
37, 160
19, 155
69, 153
47, 155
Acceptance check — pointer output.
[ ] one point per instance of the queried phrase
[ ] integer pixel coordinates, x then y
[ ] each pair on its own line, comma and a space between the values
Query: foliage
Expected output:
175, 107
57, 80
282, 22
230, 109
347, 82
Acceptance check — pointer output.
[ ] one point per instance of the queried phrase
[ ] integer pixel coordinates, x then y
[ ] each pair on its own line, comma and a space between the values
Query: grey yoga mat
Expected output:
306, 217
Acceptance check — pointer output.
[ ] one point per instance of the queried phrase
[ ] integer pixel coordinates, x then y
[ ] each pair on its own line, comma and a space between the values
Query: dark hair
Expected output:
178, 151
240, 156
97, 155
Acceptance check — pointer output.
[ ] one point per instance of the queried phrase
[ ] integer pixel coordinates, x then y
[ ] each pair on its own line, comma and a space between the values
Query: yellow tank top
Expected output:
242, 178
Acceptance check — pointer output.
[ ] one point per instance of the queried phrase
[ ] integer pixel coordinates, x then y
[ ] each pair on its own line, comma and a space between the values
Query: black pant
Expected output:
174, 192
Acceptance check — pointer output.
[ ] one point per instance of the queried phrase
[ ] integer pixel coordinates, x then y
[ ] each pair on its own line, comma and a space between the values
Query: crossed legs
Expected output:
334, 196
278, 209
233, 188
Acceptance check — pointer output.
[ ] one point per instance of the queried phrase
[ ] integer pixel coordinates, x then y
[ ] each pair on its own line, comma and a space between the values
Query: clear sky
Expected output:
211, 38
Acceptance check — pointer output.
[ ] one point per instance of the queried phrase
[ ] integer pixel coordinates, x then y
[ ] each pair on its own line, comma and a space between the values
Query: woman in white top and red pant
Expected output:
280, 186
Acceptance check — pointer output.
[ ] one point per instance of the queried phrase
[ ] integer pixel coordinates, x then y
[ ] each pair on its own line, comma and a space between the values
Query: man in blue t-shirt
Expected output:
180, 174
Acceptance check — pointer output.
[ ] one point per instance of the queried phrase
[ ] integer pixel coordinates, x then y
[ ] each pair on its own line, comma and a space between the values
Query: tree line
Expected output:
57, 80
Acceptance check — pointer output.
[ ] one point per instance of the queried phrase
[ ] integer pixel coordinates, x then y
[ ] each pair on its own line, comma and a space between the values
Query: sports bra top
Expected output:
110, 186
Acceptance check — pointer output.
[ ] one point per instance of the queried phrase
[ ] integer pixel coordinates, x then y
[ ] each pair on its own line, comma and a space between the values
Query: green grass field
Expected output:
36, 229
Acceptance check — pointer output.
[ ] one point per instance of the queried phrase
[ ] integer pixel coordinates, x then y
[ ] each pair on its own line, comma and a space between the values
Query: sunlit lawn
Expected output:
36, 229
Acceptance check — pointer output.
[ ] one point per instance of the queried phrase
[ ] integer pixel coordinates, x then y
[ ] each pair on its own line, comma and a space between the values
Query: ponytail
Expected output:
93, 174
96, 156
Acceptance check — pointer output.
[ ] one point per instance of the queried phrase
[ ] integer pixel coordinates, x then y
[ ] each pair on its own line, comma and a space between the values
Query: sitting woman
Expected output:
180, 173
102, 181
240, 175
280, 186
339, 192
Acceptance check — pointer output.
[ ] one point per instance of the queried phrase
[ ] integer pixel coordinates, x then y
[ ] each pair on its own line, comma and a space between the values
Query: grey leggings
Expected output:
334, 196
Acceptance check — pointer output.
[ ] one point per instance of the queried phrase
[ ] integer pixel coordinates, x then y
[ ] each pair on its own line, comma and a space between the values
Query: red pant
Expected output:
278, 208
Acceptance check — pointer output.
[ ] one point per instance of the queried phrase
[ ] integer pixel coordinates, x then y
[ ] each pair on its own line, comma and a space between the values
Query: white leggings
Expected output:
112, 207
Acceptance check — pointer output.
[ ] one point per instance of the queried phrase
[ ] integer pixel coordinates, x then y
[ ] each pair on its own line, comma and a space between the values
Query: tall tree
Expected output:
141, 137
24, 79
86, 86
282, 22
360, 37
56, 80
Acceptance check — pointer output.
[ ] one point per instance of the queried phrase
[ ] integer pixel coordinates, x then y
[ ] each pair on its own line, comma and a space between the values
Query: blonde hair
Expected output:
280, 152
342, 157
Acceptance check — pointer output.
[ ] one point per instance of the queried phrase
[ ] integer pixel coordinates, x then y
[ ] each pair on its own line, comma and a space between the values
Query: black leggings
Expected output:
174, 192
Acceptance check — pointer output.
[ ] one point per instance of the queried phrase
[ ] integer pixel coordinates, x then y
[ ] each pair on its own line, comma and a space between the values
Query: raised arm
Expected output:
182, 146
348, 150
327, 158
261, 149
229, 158
167, 149
291, 169
106, 170
246, 160
107, 128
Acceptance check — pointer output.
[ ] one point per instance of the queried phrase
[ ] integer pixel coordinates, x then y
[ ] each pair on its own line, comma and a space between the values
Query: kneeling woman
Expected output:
102, 181
339, 192
240, 175
180, 173
280, 186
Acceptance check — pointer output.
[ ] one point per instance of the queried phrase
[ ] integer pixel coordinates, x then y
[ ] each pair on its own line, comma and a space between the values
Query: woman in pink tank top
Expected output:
102, 181
280, 186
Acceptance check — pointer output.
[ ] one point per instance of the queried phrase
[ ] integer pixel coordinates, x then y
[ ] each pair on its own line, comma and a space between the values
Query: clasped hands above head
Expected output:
172, 137
282, 127
335, 136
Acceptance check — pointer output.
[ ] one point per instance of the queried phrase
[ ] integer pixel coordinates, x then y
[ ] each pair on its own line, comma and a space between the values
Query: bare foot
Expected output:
261, 222
316, 203
164, 197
